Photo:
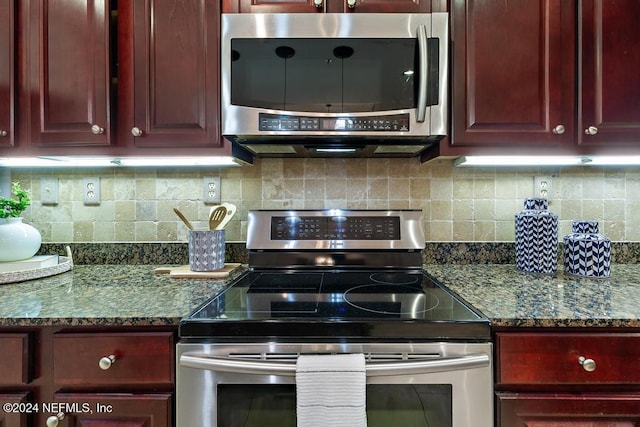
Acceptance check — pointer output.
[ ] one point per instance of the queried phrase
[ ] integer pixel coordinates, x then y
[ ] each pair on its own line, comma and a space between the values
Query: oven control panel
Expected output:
337, 227
287, 230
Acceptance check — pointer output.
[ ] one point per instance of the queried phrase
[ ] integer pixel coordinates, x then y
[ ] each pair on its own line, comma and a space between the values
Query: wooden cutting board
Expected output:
184, 272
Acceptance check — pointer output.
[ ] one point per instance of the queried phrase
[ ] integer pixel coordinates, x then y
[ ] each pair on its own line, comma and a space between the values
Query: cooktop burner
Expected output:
385, 304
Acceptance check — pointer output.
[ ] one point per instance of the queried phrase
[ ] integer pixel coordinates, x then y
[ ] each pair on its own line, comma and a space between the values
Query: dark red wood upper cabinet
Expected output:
609, 87
69, 60
513, 73
330, 6
168, 78
7, 73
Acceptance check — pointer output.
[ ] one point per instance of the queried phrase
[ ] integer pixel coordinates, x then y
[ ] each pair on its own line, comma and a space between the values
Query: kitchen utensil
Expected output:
231, 211
216, 215
183, 218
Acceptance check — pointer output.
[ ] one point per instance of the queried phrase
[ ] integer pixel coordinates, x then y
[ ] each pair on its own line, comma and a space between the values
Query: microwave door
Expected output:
311, 79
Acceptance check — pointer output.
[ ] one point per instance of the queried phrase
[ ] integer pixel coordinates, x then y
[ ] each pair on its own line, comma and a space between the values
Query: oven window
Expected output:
265, 405
324, 75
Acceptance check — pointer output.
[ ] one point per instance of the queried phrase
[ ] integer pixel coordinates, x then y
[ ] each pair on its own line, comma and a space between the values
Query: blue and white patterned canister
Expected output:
585, 252
536, 238
206, 250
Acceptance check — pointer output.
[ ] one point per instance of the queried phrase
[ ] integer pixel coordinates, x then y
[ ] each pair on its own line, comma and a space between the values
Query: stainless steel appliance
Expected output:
333, 282
334, 83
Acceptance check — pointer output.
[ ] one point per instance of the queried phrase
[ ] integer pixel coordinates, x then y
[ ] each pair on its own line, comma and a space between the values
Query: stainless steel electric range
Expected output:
333, 282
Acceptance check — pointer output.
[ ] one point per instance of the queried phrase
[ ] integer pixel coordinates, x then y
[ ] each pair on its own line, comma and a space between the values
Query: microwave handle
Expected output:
377, 369
423, 60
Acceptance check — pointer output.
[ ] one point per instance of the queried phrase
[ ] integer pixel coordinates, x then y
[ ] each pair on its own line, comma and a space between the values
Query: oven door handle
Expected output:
374, 369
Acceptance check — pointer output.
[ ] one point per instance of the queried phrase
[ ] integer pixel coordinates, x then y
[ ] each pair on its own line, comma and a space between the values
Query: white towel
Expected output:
331, 391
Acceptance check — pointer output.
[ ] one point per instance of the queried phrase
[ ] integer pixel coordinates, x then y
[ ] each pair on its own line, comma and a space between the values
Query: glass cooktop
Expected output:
383, 304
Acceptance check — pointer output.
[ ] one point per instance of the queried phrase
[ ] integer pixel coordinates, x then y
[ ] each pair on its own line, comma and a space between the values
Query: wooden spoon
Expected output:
216, 216
183, 218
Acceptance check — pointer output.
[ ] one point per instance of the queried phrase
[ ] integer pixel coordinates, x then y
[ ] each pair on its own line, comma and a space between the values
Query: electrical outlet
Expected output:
543, 186
91, 191
49, 191
211, 189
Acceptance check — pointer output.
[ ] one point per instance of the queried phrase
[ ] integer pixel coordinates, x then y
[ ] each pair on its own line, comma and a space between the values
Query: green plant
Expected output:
13, 207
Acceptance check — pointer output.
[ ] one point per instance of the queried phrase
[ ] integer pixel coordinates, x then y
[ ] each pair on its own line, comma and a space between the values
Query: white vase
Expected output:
18, 241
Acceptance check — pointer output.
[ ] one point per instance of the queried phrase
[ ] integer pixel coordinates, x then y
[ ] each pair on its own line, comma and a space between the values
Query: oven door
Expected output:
426, 384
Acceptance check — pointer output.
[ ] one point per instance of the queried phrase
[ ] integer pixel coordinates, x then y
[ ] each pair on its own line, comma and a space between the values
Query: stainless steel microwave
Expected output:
334, 84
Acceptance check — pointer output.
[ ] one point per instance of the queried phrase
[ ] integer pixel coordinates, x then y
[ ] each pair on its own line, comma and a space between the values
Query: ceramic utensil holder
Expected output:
206, 250
536, 238
585, 252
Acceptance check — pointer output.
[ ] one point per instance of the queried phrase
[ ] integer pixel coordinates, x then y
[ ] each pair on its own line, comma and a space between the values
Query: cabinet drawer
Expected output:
14, 368
555, 358
126, 358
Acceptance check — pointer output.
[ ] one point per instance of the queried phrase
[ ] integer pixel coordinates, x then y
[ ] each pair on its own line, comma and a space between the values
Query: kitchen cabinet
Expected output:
168, 76
609, 88
95, 368
114, 78
15, 375
332, 6
567, 378
69, 74
109, 375
518, 86
7, 73
513, 74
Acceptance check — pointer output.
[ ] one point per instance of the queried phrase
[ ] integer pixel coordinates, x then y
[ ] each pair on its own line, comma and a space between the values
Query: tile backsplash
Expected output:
459, 204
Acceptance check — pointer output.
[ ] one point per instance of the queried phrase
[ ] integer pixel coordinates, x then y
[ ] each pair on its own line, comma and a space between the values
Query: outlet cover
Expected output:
543, 186
211, 190
91, 191
49, 191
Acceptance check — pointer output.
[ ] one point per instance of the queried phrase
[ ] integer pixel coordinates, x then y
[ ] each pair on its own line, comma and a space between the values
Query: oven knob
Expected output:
53, 420
106, 362
588, 365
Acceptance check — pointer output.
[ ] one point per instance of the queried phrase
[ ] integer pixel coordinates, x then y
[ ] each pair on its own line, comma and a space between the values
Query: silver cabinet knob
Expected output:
318, 3
591, 130
351, 4
97, 130
107, 361
4, 133
588, 365
53, 420
136, 131
559, 130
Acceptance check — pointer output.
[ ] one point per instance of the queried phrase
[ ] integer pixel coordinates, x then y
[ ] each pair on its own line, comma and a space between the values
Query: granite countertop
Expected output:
134, 295
512, 298
105, 295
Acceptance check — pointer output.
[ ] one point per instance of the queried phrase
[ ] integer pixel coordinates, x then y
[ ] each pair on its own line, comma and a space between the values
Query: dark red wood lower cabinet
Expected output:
568, 409
114, 410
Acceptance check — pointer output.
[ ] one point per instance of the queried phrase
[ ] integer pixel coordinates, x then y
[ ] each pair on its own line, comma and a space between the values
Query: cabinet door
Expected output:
513, 73
609, 109
7, 73
17, 414
568, 410
168, 78
69, 59
114, 410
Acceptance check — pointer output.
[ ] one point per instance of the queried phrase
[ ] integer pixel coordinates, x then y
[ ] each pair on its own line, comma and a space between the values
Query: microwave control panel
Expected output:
288, 123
